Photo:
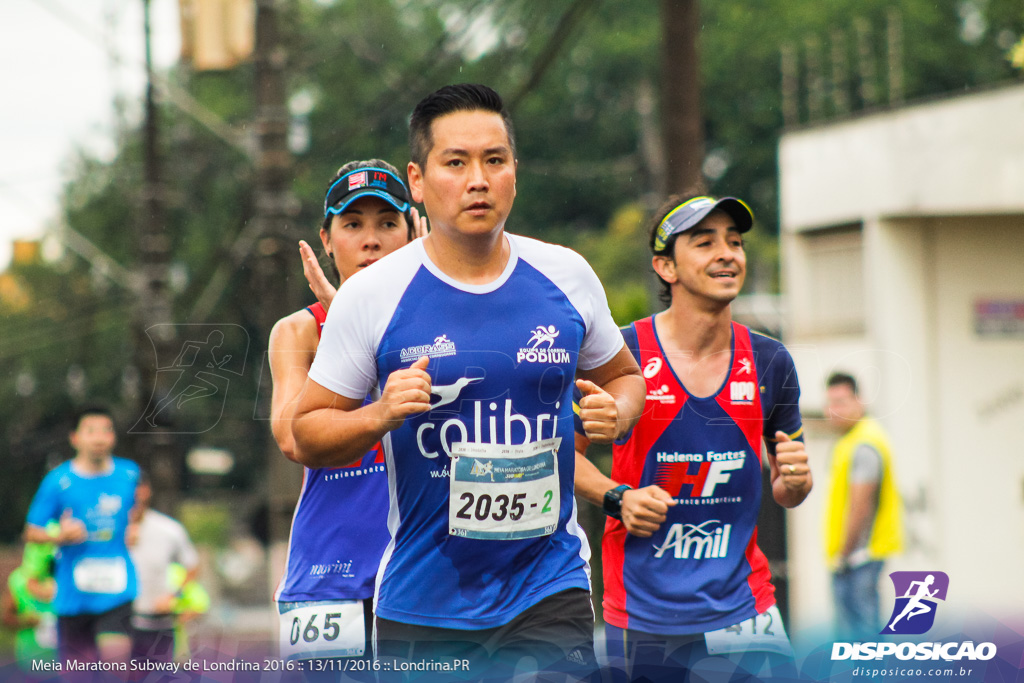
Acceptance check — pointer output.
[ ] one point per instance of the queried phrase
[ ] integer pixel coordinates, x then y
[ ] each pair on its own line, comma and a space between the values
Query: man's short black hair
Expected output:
88, 410
448, 100
837, 379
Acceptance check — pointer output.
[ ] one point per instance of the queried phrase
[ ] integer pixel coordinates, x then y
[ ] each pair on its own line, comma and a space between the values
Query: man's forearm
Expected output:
860, 507
37, 534
591, 484
328, 437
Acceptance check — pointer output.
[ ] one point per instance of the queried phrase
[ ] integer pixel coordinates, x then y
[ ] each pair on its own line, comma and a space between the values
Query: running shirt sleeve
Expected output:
577, 280
780, 387
185, 554
866, 466
345, 360
629, 336
46, 503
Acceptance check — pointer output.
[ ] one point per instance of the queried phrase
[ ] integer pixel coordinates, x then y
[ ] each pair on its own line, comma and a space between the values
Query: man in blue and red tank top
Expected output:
684, 577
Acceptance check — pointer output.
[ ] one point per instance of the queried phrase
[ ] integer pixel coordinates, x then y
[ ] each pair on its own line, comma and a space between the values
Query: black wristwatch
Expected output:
613, 501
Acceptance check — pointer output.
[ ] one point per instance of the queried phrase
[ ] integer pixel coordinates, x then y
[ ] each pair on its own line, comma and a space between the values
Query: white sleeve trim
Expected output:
577, 280
346, 358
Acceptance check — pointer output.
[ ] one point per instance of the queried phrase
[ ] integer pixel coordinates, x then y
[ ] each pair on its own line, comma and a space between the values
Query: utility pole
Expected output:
276, 249
154, 445
681, 120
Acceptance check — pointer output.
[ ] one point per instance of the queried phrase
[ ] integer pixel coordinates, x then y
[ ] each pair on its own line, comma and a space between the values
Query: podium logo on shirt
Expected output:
537, 352
705, 541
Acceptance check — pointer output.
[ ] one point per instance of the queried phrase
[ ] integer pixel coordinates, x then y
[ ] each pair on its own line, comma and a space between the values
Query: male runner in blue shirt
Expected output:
471, 340
91, 495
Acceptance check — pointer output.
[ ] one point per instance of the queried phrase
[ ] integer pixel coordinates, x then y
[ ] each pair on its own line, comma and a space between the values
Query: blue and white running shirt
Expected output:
482, 536
96, 575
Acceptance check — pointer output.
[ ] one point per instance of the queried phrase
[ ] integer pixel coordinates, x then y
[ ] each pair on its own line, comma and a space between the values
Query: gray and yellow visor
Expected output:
691, 212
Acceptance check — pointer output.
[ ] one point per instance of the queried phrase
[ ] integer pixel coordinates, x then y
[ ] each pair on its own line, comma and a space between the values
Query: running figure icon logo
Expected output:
917, 596
191, 388
543, 335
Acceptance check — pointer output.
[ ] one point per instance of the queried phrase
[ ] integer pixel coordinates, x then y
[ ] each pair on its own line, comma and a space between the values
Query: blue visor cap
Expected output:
366, 182
688, 214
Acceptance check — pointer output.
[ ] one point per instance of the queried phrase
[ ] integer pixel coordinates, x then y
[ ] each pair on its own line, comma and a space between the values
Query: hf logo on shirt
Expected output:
714, 469
537, 352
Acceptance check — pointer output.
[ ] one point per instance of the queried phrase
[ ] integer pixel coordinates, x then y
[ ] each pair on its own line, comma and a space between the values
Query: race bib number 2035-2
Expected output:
502, 492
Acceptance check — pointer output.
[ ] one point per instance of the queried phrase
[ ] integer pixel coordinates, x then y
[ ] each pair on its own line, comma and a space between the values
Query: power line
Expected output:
556, 43
71, 329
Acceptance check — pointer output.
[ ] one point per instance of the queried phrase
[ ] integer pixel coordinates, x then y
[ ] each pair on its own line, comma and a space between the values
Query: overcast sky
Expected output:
61, 65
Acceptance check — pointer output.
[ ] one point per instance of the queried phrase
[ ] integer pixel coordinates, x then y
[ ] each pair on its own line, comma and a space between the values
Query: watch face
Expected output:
613, 502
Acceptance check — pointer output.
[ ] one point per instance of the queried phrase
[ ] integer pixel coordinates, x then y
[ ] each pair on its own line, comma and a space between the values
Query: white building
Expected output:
903, 263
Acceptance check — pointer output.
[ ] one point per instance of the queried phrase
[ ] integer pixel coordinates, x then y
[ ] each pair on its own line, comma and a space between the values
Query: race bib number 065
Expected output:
310, 630
501, 492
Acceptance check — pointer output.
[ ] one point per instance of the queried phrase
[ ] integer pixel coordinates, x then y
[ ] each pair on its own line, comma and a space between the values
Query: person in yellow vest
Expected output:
863, 523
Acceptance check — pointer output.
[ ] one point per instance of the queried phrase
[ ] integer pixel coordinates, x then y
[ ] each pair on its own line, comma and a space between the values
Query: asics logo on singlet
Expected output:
707, 540
490, 423
441, 347
652, 368
661, 395
535, 353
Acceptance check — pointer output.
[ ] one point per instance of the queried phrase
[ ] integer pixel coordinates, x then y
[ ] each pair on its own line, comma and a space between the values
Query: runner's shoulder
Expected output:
129, 467
295, 330
531, 249
763, 340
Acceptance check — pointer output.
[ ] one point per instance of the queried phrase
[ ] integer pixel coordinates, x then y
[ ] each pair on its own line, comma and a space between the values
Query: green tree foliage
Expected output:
574, 72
